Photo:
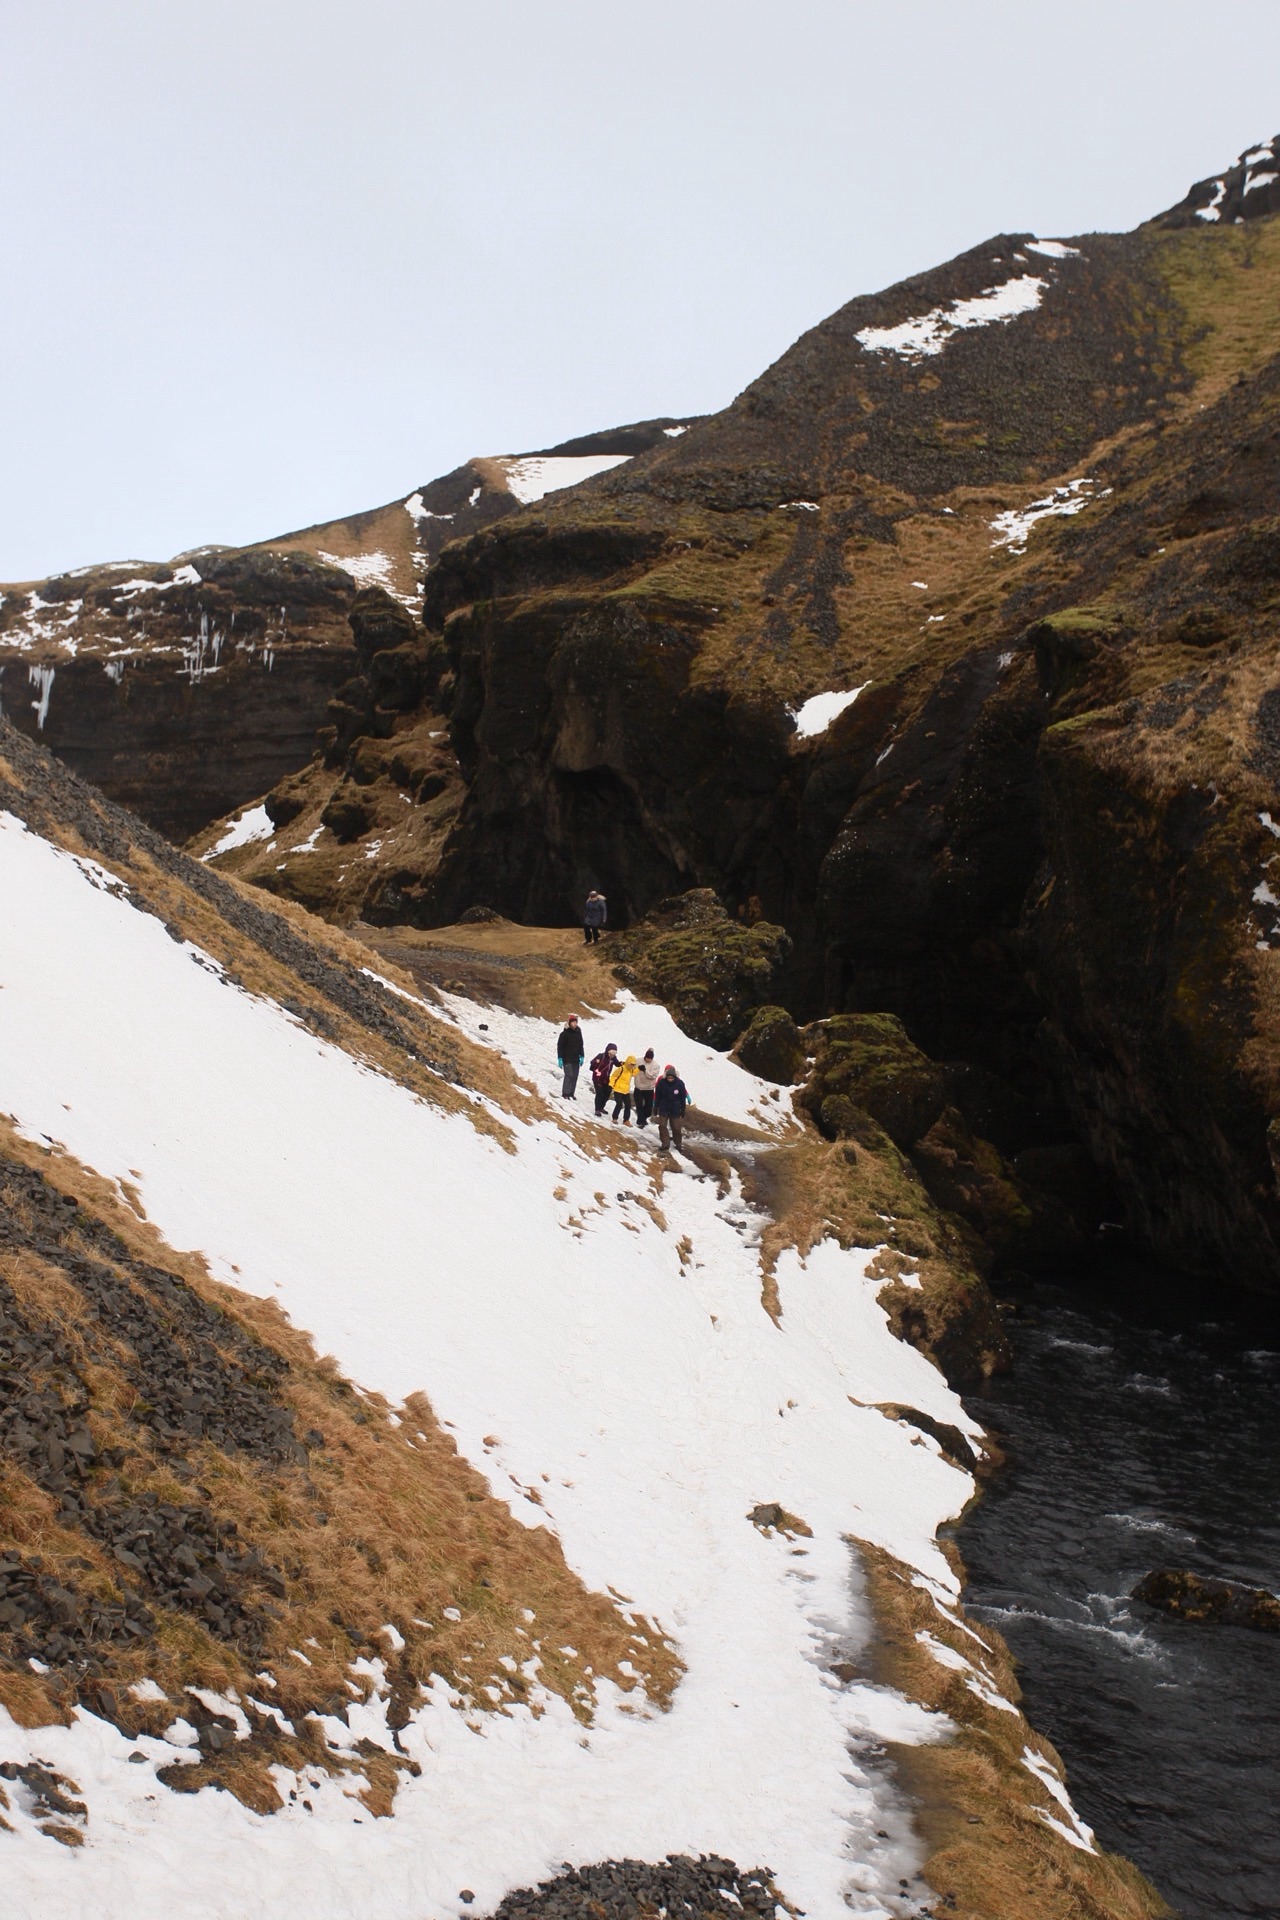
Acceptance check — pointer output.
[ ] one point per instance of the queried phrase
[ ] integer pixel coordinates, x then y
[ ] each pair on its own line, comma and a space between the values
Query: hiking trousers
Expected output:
622, 1105
671, 1127
572, 1068
644, 1106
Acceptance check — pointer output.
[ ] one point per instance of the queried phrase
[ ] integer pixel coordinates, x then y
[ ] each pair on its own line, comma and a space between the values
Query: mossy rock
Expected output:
771, 1046
349, 813
291, 797
868, 1061
968, 1176
710, 971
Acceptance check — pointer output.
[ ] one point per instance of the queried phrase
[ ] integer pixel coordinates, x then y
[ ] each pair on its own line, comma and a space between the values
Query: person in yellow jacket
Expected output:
620, 1080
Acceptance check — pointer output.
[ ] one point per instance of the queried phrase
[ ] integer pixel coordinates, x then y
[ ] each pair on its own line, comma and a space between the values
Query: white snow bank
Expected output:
185, 576
253, 824
1053, 249
652, 1404
530, 479
929, 332
366, 569
816, 714
1013, 529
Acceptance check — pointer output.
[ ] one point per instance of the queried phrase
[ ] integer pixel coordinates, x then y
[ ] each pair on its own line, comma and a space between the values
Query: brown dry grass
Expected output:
979, 1808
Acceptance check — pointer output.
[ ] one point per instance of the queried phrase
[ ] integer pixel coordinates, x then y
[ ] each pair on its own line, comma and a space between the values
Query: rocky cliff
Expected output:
185, 690
950, 644
947, 648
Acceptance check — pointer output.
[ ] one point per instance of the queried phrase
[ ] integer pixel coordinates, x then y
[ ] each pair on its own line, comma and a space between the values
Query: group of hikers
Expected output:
633, 1084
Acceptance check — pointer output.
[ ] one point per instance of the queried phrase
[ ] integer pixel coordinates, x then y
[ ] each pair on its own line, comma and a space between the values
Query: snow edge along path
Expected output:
661, 1404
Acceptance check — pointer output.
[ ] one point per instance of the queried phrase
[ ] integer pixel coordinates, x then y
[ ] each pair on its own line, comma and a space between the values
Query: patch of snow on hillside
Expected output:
531, 479
653, 1404
1013, 528
929, 332
1213, 210
366, 569
673, 433
253, 824
1260, 179
815, 714
185, 576
1053, 249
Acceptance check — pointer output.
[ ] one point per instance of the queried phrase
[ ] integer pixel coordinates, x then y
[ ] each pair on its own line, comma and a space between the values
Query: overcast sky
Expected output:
269, 261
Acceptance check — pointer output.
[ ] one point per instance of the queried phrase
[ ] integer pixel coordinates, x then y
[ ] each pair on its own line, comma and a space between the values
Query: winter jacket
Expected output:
601, 1067
569, 1046
623, 1074
595, 912
646, 1078
670, 1097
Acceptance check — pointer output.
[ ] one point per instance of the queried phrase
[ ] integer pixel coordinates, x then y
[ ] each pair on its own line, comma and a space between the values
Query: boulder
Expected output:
771, 1046
711, 971
867, 1061
1201, 1598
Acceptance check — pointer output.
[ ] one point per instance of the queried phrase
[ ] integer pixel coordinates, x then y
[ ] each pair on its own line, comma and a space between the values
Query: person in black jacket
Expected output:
670, 1098
594, 915
569, 1056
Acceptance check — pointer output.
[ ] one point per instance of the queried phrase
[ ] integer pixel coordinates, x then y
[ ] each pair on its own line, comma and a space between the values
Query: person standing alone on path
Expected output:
569, 1056
645, 1081
670, 1098
601, 1067
594, 915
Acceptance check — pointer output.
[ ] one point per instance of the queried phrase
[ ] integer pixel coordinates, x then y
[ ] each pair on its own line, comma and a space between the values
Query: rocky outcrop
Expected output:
1201, 1598
711, 971
186, 690
772, 1046
181, 691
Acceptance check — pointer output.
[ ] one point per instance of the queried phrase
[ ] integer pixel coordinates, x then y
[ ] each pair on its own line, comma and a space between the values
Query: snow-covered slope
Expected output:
587, 1320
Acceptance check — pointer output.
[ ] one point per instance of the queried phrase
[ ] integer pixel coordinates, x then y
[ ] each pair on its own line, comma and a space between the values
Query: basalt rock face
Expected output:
186, 690
1027, 504
181, 692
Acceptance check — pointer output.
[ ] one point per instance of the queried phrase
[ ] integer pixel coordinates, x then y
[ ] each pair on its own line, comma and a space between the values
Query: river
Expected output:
1143, 1431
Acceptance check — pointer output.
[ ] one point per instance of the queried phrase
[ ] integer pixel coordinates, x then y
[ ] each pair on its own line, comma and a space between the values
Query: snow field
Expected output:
252, 823
657, 1398
817, 713
532, 478
929, 333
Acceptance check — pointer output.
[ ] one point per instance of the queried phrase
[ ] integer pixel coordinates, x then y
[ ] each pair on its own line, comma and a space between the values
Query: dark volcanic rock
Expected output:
772, 1046
1201, 1598
680, 1887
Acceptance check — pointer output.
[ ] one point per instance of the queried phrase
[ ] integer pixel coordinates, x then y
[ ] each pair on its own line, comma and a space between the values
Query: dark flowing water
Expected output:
1143, 1433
